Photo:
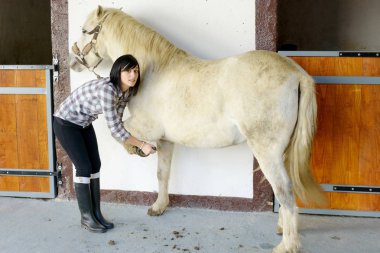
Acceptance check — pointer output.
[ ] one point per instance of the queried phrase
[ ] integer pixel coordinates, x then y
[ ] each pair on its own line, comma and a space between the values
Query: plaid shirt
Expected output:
85, 103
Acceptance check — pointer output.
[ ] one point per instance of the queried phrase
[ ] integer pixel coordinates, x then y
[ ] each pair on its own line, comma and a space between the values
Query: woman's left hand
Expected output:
148, 149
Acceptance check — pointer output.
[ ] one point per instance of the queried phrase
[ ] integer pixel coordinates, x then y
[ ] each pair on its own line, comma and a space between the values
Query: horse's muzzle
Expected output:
74, 64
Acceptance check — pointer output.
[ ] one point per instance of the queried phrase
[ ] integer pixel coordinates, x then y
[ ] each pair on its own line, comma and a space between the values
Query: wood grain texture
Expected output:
346, 149
7, 78
371, 66
23, 131
346, 146
331, 66
8, 132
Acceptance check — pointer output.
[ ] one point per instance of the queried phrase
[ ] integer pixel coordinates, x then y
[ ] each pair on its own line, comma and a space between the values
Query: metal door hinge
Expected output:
35, 173
55, 68
359, 54
356, 189
59, 173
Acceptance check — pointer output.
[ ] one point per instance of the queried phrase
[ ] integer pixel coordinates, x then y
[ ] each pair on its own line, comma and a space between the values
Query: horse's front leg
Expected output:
165, 153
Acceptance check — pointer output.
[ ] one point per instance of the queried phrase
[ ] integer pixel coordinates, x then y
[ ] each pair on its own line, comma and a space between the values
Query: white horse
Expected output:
259, 97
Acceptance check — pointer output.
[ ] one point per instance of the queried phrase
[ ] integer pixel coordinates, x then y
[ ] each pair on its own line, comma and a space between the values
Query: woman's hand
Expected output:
147, 148
141, 148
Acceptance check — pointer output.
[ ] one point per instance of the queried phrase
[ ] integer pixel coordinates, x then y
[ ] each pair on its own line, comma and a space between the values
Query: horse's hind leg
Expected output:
272, 165
165, 153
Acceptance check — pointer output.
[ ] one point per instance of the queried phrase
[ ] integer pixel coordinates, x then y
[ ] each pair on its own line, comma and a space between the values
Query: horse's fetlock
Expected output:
279, 230
283, 248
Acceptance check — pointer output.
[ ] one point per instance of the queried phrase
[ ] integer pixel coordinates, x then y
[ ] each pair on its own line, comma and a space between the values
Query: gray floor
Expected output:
28, 225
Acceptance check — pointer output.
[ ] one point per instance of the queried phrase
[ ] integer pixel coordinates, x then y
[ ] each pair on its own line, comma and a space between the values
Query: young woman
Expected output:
72, 124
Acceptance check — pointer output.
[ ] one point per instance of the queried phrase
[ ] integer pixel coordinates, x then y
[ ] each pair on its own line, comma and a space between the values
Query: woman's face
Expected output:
129, 78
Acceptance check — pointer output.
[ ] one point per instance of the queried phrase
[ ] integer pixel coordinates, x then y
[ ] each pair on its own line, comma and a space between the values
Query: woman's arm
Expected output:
112, 114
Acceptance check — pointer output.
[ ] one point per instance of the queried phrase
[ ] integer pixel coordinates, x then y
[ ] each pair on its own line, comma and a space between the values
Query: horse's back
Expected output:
263, 65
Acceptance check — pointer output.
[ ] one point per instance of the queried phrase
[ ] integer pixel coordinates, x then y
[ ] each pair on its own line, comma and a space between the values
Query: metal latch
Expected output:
55, 68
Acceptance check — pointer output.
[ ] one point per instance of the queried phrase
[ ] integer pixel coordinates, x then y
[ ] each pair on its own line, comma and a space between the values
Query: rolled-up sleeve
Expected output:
108, 98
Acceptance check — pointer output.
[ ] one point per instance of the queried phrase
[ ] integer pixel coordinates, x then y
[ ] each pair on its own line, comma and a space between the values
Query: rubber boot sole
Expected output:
93, 230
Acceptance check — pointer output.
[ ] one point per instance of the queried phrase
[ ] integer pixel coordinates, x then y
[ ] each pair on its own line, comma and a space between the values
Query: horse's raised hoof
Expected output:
152, 212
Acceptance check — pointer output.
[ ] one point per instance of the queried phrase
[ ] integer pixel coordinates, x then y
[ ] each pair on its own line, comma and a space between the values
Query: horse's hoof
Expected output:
279, 230
152, 212
281, 249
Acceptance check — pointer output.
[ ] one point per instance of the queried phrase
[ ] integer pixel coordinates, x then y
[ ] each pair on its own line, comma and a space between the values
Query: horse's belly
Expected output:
205, 135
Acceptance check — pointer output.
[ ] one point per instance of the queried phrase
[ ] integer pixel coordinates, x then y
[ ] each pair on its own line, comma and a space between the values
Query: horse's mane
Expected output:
136, 37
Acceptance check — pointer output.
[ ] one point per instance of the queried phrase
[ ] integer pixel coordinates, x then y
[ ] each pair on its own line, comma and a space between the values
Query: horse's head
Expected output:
88, 52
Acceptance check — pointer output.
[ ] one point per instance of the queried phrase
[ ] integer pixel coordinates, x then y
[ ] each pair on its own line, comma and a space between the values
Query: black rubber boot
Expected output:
88, 220
95, 194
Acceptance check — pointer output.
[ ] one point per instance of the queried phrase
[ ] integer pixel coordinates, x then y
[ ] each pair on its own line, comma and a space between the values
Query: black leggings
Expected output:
80, 144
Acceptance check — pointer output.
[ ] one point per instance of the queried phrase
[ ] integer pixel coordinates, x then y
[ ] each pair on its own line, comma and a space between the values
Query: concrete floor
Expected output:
30, 225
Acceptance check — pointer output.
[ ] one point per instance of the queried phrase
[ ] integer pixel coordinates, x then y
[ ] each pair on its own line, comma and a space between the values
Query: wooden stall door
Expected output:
346, 149
24, 134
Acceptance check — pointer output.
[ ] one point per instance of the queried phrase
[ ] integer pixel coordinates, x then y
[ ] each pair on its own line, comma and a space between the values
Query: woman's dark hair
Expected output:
125, 63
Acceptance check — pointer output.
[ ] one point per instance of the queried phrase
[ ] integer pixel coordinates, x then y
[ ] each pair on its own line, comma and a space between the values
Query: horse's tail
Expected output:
298, 152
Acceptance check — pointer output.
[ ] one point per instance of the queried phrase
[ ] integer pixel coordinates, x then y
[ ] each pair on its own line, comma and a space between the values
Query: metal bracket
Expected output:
35, 173
59, 174
358, 189
359, 54
28, 173
55, 68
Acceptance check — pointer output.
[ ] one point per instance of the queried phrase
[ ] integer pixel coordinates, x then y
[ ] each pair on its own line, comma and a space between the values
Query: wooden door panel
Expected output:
8, 151
22, 78
24, 184
336, 146
371, 66
7, 78
40, 78
32, 131
323, 142
331, 66
346, 149
7, 114
25, 78
9, 183
355, 201
27, 132
24, 131
369, 156
42, 134
34, 184
8, 132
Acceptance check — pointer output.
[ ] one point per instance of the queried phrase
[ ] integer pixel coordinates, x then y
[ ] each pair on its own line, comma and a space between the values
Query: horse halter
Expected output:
79, 55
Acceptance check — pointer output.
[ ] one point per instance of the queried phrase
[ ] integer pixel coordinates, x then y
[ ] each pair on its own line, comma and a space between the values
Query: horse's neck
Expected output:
151, 50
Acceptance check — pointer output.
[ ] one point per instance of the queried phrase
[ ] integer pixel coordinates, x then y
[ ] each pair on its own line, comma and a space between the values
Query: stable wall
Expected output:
208, 29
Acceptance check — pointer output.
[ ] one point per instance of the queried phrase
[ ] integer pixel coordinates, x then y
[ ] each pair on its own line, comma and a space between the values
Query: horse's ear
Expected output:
100, 11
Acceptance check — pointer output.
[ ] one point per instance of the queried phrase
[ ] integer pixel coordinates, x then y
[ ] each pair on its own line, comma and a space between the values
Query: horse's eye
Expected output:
84, 31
